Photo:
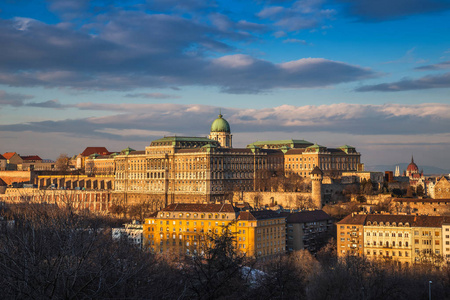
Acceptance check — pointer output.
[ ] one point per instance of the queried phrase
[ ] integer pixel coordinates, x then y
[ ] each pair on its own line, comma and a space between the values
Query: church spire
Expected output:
412, 159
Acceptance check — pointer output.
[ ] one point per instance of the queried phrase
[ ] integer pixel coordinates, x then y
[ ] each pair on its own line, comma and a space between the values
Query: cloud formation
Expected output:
298, 15
13, 99
426, 82
388, 119
152, 96
129, 53
382, 10
439, 66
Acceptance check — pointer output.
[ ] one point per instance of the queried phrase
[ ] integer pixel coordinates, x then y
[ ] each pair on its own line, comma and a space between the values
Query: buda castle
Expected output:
178, 169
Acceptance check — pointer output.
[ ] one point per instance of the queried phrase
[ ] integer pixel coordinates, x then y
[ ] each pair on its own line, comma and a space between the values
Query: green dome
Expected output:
220, 125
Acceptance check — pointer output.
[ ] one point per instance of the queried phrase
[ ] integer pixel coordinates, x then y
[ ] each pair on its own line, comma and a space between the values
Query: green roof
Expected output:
220, 125
127, 150
347, 149
280, 142
183, 141
316, 148
171, 139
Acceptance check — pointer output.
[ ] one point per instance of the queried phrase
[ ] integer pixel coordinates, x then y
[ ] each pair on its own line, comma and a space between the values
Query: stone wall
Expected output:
372, 199
16, 176
285, 199
421, 206
94, 201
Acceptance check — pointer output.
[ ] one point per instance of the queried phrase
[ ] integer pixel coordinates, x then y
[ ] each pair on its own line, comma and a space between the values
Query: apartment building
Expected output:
406, 239
183, 229
308, 230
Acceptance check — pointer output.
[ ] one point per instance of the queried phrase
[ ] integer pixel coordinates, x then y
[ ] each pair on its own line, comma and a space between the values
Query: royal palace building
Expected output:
206, 169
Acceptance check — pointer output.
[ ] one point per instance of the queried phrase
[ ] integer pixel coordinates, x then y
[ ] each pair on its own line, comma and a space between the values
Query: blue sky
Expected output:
373, 74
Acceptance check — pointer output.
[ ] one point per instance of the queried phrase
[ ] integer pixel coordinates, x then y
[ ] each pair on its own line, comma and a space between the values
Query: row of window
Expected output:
387, 234
387, 253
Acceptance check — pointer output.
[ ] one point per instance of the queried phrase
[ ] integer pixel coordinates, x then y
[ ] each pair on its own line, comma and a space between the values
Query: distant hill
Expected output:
428, 170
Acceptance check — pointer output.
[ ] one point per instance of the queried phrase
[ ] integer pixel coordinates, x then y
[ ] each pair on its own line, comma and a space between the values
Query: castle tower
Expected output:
316, 190
220, 131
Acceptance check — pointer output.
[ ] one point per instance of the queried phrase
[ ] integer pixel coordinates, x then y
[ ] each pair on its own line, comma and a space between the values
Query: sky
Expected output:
371, 74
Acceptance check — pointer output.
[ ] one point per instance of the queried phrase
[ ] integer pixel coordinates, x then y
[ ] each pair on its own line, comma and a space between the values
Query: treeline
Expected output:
51, 253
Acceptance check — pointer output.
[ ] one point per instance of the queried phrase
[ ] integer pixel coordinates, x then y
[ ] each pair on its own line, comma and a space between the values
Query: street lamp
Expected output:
429, 289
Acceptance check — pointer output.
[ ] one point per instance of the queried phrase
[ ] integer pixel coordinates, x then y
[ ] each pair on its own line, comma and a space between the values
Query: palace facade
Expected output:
199, 169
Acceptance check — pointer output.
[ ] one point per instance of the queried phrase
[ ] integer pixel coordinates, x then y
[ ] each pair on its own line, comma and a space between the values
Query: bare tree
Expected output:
62, 162
216, 272
54, 253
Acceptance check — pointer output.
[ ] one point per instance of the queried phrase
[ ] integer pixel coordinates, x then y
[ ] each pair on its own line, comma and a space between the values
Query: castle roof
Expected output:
279, 143
316, 171
220, 125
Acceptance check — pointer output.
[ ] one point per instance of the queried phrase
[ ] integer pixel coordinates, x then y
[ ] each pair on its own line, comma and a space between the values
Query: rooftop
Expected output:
8, 155
413, 220
193, 207
308, 216
91, 150
293, 143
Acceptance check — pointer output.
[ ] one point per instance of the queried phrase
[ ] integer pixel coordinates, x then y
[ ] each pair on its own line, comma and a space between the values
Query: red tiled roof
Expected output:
8, 155
414, 221
91, 150
31, 157
354, 219
428, 221
246, 215
391, 218
308, 216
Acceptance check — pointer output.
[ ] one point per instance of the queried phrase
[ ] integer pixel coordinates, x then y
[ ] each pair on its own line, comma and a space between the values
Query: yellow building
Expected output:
389, 237
427, 238
350, 239
407, 239
183, 228
331, 161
